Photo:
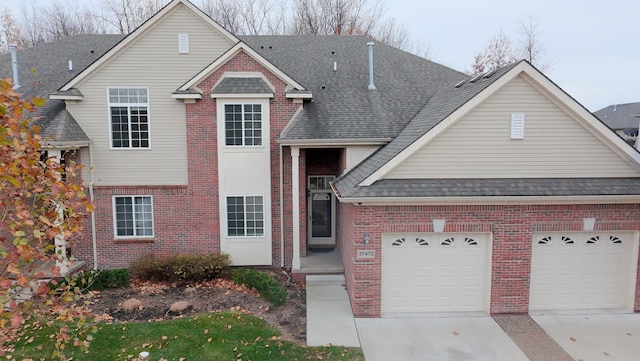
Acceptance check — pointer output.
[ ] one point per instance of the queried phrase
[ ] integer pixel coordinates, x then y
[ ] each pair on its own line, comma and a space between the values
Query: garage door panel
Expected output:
434, 272
581, 270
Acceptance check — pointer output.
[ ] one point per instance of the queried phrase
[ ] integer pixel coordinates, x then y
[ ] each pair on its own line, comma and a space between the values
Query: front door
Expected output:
322, 208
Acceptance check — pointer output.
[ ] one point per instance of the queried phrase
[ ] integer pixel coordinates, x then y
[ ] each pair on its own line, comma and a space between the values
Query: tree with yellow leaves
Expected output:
38, 207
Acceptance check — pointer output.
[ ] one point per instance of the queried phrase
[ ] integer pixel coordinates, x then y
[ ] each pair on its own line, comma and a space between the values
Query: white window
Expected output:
133, 216
517, 126
245, 216
183, 43
129, 117
243, 124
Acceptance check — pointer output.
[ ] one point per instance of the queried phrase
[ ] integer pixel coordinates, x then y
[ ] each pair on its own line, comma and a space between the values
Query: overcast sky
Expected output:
593, 45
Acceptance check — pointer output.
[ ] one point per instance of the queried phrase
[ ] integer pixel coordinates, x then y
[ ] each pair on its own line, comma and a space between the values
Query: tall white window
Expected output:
243, 124
133, 216
129, 117
245, 216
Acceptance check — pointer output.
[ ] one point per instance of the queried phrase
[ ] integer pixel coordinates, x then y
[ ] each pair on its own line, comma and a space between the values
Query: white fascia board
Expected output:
295, 95
443, 125
66, 145
141, 30
540, 200
333, 143
186, 96
65, 97
242, 96
240, 46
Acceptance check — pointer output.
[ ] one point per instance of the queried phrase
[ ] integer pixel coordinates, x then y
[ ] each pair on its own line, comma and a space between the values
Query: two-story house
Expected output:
441, 192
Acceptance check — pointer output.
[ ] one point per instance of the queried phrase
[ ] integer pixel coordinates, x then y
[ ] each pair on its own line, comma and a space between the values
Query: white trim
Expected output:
65, 97
243, 95
296, 95
517, 125
128, 105
497, 200
265, 121
542, 84
235, 50
183, 43
115, 220
442, 126
333, 143
140, 31
187, 96
244, 204
295, 207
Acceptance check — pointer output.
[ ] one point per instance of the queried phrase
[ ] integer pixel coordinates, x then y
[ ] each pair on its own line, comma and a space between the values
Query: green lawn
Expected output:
215, 336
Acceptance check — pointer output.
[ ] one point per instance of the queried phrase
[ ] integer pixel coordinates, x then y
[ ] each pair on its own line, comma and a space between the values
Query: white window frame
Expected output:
135, 220
129, 105
243, 123
245, 218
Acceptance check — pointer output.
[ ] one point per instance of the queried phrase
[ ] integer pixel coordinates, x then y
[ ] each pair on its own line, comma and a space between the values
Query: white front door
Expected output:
322, 209
435, 273
575, 271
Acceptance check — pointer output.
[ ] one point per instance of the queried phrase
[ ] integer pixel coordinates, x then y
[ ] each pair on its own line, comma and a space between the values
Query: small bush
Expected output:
180, 267
114, 278
267, 286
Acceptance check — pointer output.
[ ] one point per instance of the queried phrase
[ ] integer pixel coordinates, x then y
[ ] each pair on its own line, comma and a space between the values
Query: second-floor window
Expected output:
243, 124
129, 117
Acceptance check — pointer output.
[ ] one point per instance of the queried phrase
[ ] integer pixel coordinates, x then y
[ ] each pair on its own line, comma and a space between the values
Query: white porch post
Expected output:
295, 200
60, 244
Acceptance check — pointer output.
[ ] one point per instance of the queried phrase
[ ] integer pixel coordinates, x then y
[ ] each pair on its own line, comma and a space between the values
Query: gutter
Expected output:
334, 143
493, 200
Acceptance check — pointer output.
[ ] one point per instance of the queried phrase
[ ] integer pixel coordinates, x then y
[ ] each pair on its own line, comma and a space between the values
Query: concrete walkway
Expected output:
329, 315
601, 337
504, 337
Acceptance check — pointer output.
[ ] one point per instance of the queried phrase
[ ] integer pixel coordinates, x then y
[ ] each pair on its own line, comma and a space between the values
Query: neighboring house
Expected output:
442, 193
622, 119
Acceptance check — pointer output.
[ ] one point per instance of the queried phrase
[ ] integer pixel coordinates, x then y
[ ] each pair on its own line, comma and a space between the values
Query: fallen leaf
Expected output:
606, 353
628, 333
572, 339
455, 333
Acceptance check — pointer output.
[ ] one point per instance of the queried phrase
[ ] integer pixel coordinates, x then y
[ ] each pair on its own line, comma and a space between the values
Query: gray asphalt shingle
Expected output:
620, 116
342, 105
44, 68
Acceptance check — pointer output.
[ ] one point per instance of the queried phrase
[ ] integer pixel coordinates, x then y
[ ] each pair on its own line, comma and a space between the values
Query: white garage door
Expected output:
582, 271
435, 273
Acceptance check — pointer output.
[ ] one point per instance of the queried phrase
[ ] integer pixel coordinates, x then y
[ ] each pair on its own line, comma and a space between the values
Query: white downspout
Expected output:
281, 207
295, 205
94, 237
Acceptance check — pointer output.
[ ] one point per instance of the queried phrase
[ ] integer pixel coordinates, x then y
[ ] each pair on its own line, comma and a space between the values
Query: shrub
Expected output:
180, 267
268, 287
92, 280
114, 278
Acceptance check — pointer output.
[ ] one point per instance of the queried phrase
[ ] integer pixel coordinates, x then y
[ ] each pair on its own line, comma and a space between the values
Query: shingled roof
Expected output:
620, 116
44, 68
343, 107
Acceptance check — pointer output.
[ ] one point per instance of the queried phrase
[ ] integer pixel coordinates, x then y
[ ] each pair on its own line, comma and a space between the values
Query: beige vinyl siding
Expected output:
151, 61
479, 144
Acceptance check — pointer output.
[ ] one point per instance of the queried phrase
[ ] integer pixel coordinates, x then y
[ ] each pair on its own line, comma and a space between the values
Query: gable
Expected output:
479, 144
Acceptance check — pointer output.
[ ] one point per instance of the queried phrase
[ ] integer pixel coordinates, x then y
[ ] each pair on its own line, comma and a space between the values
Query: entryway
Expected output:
322, 213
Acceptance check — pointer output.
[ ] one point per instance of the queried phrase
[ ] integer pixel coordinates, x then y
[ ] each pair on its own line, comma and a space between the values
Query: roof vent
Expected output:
489, 74
476, 78
459, 84
14, 66
371, 85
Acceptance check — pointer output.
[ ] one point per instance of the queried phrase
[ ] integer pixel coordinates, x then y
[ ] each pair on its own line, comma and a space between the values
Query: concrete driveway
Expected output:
436, 338
595, 337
